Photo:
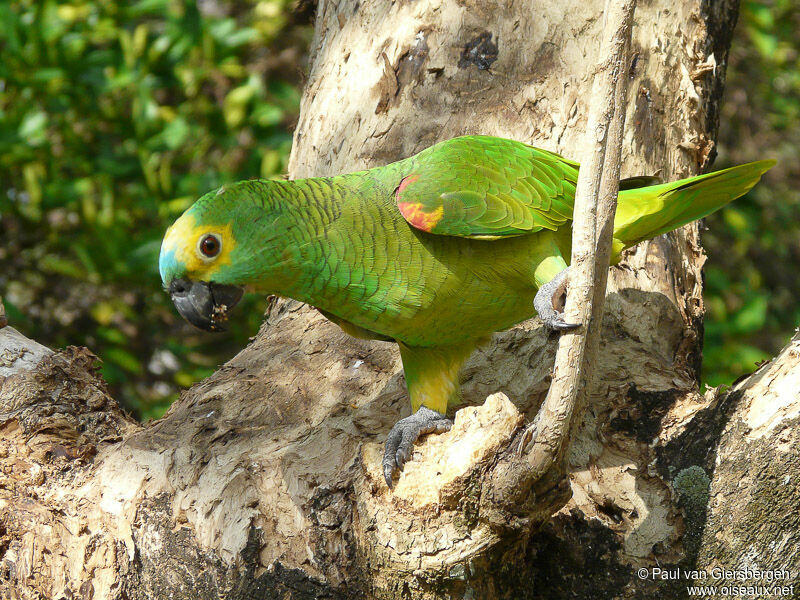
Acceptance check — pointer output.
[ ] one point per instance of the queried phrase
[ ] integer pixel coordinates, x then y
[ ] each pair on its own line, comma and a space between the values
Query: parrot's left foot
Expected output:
549, 298
405, 432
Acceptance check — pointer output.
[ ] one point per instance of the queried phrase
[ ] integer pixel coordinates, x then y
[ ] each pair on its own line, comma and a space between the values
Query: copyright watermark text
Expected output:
720, 582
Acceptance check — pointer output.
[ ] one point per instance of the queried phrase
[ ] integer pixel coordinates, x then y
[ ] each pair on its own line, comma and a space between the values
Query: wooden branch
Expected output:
593, 221
539, 466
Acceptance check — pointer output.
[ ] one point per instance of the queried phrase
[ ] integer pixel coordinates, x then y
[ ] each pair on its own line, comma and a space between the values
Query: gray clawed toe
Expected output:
400, 443
545, 303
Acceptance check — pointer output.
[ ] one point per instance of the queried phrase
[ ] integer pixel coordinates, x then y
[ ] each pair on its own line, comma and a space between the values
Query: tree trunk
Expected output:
264, 480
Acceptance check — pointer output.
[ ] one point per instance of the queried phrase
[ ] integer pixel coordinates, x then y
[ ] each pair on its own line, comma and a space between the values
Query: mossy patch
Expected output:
692, 486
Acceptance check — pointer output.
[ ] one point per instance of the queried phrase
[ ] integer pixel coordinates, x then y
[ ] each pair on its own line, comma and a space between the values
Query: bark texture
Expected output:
264, 480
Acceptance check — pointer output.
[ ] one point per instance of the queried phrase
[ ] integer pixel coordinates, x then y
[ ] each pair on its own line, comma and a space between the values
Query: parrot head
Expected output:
205, 260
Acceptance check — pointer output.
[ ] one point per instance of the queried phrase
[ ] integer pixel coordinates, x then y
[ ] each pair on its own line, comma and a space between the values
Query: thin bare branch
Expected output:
595, 204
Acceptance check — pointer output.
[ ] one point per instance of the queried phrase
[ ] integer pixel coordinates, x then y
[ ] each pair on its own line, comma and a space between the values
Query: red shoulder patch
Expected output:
415, 212
404, 184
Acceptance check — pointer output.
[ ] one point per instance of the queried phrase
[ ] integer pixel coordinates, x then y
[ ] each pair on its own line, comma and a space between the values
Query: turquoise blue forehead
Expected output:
168, 266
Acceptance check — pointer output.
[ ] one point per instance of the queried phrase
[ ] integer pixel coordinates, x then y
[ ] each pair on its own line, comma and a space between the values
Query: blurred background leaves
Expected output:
753, 245
115, 116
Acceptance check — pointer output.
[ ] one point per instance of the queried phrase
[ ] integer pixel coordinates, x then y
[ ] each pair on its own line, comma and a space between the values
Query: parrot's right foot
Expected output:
549, 298
405, 432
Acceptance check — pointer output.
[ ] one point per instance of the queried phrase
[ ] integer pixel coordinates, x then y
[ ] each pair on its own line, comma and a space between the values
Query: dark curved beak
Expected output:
205, 305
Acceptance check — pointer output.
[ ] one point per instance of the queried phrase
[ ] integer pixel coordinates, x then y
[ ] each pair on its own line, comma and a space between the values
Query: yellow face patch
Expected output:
183, 238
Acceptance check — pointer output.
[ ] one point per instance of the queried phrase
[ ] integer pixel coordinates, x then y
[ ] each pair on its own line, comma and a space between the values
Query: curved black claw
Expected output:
405, 432
548, 297
559, 324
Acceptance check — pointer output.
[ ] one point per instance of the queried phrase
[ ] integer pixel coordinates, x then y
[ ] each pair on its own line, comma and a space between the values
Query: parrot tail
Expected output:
644, 213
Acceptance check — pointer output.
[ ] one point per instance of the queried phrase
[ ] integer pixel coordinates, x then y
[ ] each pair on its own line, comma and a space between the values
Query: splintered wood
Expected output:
478, 433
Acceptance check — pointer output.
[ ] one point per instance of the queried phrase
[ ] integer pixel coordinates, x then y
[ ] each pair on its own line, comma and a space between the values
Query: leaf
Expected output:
752, 316
51, 263
175, 133
124, 359
267, 115
33, 128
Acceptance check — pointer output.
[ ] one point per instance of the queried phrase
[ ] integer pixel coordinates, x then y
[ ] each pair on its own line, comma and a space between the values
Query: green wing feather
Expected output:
487, 187
490, 188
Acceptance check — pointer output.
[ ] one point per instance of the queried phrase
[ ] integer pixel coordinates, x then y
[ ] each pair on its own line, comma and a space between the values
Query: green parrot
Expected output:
434, 252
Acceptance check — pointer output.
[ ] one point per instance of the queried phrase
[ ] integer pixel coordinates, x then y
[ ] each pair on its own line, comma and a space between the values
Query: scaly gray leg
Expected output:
545, 302
405, 432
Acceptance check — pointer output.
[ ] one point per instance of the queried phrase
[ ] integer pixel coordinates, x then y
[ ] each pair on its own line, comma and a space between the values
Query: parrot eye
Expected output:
210, 245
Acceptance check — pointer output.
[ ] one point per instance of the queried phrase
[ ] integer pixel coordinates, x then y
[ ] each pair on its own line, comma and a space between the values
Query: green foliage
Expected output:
114, 117
753, 245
